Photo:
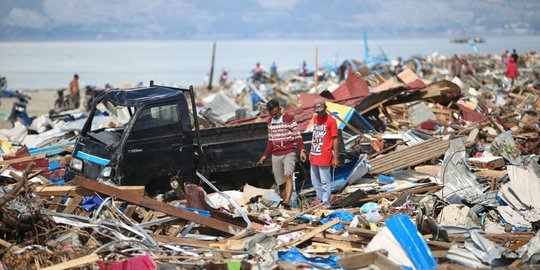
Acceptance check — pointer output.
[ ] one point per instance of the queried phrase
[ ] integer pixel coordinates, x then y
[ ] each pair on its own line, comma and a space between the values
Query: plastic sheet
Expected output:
294, 255
341, 215
411, 241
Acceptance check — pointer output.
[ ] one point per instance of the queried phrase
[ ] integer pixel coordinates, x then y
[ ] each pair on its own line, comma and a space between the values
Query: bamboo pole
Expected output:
212, 67
316, 66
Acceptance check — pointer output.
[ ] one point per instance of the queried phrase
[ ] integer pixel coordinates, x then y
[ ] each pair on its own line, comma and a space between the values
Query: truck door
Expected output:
154, 148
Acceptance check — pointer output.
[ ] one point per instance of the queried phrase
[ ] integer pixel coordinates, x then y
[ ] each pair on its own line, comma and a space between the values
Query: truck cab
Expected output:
139, 136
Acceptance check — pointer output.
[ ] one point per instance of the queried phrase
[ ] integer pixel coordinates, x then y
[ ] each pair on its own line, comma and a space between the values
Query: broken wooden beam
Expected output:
156, 205
67, 190
92, 258
314, 232
181, 240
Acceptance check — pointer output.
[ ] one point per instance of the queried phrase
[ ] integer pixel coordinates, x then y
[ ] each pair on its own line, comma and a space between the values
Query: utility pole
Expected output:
316, 66
212, 67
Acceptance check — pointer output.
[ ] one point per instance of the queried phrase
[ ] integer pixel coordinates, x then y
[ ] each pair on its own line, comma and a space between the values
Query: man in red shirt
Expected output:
283, 133
324, 151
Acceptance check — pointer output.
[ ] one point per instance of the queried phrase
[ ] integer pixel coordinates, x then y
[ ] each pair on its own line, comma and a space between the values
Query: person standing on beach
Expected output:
283, 133
512, 71
504, 58
273, 72
456, 66
324, 151
515, 56
74, 92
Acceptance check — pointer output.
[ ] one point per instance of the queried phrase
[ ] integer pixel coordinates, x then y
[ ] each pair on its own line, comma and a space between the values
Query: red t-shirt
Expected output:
324, 131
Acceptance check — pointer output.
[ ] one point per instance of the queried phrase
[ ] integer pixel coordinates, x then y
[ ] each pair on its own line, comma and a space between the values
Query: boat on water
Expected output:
468, 39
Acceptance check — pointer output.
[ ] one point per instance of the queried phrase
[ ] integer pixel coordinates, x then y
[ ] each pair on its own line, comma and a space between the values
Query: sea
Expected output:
51, 64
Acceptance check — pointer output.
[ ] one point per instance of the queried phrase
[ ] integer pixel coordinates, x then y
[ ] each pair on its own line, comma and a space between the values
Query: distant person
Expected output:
303, 72
504, 58
399, 67
273, 72
341, 71
257, 72
283, 134
223, 78
324, 151
515, 56
512, 71
456, 66
74, 92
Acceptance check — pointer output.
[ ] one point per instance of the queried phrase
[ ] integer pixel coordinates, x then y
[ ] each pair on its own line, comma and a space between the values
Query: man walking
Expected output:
75, 96
283, 133
324, 151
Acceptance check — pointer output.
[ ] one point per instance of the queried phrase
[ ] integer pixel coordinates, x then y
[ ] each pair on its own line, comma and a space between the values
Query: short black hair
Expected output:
272, 104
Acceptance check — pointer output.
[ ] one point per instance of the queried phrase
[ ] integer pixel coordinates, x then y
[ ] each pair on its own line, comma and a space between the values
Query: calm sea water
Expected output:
39, 65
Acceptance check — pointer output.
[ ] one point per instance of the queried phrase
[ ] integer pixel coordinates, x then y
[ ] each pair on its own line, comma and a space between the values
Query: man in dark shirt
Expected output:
515, 56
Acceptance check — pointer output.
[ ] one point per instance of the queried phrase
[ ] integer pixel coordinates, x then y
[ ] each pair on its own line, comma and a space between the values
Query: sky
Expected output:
263, 19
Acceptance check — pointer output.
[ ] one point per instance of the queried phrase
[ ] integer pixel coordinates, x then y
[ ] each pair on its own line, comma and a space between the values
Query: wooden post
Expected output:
316, 66
212, 67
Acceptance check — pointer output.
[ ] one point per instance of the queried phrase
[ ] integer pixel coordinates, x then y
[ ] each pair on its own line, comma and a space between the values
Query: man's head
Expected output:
76, 76
273, 108
320, 106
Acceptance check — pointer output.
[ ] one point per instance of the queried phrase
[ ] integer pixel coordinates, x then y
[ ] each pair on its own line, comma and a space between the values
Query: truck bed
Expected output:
236, 147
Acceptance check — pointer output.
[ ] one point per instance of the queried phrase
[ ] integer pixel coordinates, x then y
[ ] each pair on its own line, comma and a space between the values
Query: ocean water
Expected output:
51, 65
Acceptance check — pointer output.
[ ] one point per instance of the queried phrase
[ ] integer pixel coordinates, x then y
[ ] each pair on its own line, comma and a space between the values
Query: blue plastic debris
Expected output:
368, 207
57, 181
341, 215
90, 202
54, 165
385, 179
305, 217
51, 150
411, 241
294, 255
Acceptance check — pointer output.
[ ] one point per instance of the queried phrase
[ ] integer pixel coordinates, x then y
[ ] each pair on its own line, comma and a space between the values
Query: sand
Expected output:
41, 102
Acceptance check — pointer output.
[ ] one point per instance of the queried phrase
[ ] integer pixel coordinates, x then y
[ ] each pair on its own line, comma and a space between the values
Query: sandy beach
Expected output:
41, 102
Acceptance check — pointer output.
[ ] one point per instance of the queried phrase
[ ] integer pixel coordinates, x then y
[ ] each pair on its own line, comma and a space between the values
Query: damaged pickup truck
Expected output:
147, 136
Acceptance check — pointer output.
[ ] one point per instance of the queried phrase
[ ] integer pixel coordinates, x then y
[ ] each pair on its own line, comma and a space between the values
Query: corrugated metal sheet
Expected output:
410, 156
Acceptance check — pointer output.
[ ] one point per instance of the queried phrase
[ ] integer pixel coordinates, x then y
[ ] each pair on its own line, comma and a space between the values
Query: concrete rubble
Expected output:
442, 171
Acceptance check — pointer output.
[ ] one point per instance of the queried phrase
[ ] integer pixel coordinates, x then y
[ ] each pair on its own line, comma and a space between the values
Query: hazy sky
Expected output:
255, 19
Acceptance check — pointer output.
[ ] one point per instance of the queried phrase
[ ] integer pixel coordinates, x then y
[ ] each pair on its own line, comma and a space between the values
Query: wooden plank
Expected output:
494, 237
92, 258
408, 76
349, 238
67, 190
8, 245
72, 204
21, 159
290, 230
314, 232
55, 203
181, 240
156, 205
341, 245
379, 77
362, 232
305, 212
395, 194
130, 209
487, 162
493, 175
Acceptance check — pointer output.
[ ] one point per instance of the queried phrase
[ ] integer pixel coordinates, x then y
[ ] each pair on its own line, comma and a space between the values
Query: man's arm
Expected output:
299, 141
267, 151
335, 146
